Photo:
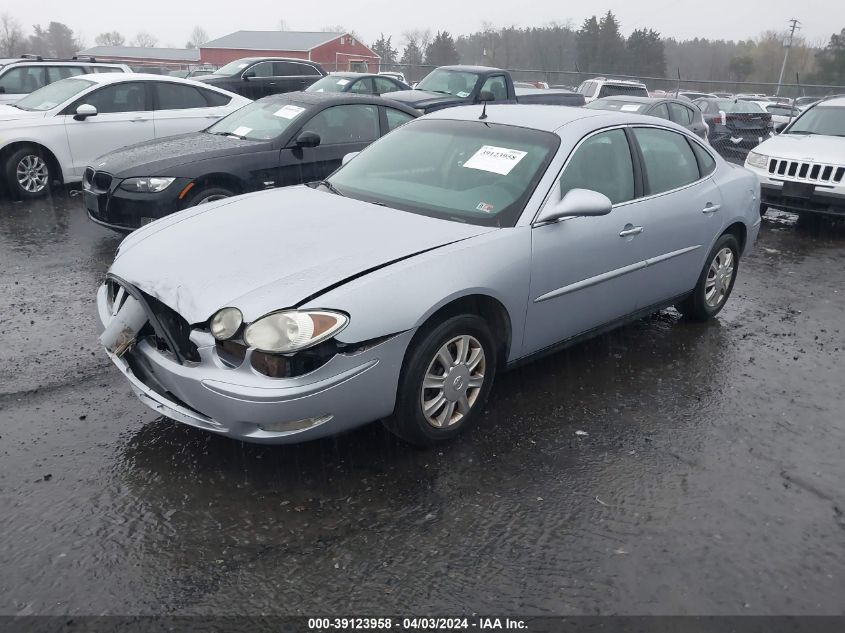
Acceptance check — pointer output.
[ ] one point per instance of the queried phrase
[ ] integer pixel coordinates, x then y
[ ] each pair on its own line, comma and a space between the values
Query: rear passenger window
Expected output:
660, 111
706, 164
55, 73
215, 99
288, 69
395, 118
680, 113
178, 97
602, 163
669, 161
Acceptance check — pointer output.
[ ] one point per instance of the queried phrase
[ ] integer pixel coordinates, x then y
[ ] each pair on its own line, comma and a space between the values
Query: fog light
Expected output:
295, 425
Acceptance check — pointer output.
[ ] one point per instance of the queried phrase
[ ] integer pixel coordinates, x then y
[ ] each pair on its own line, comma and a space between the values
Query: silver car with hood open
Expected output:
459, 245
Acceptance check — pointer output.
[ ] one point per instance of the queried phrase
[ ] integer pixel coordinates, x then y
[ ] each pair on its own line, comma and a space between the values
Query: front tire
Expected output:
445, 380
209, 194
28, 173
715, 282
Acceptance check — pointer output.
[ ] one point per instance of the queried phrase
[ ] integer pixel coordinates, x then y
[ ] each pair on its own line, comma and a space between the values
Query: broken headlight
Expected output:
293, 330
146, 185
226, 323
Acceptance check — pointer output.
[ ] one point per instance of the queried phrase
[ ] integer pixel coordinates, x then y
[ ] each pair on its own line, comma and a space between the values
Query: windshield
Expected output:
329, 83
449, 82
53, 94
465, 171
826, 120
619, 106
232, 68
258, 121
738, 107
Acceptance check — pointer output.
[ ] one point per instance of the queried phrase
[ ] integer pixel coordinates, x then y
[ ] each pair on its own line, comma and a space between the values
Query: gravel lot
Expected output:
710, 480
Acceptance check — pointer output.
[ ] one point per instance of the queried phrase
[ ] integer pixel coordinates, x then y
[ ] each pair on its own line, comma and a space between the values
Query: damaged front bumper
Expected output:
349, 390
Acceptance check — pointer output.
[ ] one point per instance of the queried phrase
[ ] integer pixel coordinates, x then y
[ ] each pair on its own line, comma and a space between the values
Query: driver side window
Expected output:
123, 97
495, 85
602, 163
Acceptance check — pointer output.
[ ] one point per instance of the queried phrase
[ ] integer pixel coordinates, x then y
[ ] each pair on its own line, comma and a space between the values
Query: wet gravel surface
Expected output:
708, 478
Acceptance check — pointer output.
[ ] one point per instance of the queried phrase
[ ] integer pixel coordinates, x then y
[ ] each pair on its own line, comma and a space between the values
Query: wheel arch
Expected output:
493, 311
740, 232
215, 179
49, 155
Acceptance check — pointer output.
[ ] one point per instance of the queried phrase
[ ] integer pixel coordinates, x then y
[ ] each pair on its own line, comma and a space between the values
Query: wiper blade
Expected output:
232, 134
330, 187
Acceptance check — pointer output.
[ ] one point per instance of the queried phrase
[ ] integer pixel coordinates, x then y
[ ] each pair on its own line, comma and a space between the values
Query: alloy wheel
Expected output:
453, 381
32, 173
719, 278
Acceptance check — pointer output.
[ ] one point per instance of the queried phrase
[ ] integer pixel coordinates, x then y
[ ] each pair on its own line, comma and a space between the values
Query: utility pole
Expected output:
787, 46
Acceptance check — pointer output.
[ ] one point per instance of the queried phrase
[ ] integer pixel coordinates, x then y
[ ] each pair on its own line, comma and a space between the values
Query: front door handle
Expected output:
630, 231
138, 119
711, 208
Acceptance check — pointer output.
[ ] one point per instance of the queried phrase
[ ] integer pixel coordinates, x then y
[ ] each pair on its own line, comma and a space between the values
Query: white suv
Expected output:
599, 87
802, 169
54, 133
23, 75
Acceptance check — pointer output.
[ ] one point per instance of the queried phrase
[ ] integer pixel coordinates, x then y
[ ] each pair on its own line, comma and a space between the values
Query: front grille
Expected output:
97, 181
806, 171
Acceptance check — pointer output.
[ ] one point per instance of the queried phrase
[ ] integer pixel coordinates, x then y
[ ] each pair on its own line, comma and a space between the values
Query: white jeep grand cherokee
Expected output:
802, 169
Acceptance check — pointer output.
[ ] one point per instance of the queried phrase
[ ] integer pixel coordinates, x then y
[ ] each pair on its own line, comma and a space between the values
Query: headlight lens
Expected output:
757, 160
293, 330
226, 323
146, 185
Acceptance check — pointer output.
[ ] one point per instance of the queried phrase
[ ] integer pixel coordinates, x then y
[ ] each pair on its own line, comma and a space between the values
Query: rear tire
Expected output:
209, 194
28, 173
715, 282
445, 380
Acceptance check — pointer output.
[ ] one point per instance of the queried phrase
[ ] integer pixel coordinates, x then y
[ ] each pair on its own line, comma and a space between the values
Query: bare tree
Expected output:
145, 40
11, 36
198, 38
110, 38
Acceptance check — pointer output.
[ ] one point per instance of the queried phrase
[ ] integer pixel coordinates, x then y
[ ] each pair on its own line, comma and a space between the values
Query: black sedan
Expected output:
257, 77
736, 126
681, 112
277, 141
357, 83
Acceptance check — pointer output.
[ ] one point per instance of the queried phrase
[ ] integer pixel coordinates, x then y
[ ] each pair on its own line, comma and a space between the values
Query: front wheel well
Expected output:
50, 157
226, 181
491, 310
738, 230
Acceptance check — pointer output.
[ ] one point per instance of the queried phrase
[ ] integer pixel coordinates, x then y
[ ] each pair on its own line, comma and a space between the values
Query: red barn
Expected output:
333, 51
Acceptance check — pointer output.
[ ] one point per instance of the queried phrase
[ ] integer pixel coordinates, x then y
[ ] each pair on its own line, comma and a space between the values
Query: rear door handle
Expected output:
138, 119
711, 208
635, 230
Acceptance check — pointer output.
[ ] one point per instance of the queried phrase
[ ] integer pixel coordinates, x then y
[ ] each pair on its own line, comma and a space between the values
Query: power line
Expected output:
794, 26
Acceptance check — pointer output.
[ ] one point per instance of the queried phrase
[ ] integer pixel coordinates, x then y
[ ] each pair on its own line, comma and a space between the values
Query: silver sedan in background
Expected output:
459, 245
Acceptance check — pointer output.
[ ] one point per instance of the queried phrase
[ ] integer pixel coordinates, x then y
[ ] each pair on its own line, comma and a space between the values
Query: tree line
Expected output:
597, 46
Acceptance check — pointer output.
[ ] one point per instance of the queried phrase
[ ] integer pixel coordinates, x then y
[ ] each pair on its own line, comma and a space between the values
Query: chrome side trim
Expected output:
612, 274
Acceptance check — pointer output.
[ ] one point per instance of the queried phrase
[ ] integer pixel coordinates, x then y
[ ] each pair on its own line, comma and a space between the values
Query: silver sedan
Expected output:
457, 246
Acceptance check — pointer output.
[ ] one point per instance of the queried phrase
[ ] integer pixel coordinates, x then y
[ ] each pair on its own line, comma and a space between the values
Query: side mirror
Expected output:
308, 139
577, 203
779, 127
348, 157
486, 95
84, 111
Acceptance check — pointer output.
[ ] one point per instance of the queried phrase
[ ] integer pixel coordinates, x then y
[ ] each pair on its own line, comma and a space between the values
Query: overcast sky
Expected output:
171, 21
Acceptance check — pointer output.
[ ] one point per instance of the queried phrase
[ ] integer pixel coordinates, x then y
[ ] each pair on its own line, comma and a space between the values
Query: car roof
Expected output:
58, 62
549, 118
113, 78
354, 75
834, 101
335, 98
471, 69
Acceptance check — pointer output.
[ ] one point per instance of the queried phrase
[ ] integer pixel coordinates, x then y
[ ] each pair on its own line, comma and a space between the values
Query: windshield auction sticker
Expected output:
289, 111
499, 160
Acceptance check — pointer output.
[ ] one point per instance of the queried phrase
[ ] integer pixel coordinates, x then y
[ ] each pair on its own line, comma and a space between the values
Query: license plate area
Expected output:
800, 190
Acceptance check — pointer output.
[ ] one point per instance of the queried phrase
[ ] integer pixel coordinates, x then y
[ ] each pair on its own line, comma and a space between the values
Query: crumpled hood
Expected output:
152, 158
422, 99
806, 147
271, 250
11, 113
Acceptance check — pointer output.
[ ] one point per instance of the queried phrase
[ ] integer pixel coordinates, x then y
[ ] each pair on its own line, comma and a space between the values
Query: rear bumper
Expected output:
348, 391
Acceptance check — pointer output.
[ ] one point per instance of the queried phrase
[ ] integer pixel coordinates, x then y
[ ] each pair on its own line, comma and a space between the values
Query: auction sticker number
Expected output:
499, 160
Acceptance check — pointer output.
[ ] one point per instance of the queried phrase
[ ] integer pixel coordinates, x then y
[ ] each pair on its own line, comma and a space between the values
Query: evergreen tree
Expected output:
611, 50
441, 51
588, 45
644, 53
384, 49
831, 61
